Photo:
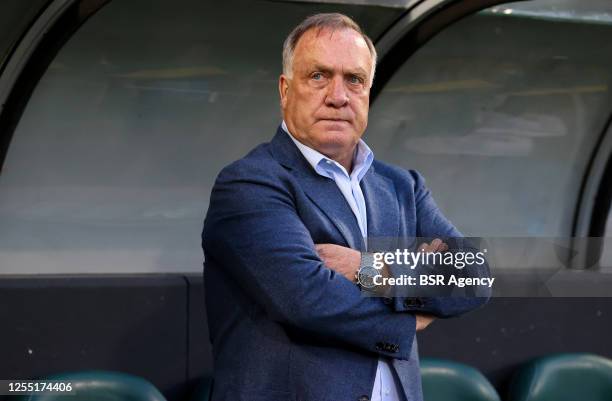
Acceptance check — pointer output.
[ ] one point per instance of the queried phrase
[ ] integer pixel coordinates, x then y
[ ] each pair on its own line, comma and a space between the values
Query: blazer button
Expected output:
409, 302
363, 398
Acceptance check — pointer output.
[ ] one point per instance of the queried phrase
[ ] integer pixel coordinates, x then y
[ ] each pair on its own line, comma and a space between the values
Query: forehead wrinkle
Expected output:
317, 65
317, 62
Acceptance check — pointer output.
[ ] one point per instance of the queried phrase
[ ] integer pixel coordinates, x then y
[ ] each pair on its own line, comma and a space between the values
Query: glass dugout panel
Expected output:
500, 112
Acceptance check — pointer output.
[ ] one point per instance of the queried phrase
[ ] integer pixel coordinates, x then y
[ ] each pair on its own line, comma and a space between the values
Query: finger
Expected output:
320, 248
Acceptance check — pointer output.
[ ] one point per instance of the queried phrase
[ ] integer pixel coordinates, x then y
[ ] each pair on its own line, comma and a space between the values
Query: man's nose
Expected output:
337, 95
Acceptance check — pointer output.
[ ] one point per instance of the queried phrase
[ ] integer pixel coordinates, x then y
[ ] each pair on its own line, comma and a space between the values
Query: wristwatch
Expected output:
367, 272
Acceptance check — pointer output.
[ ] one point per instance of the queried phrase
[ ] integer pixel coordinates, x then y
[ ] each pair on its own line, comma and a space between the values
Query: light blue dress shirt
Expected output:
385, 387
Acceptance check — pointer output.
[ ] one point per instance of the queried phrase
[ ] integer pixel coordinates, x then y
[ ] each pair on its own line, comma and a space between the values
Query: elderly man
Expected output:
286, 233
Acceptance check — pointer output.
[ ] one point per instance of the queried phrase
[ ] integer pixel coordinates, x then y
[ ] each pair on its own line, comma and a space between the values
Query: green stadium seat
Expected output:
451, 381
100, 386
563, 377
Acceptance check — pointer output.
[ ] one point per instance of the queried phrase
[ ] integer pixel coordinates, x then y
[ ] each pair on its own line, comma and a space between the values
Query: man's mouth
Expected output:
336, 120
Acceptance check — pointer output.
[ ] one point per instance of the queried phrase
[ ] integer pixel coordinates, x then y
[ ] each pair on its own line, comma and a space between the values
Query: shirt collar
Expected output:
362, 159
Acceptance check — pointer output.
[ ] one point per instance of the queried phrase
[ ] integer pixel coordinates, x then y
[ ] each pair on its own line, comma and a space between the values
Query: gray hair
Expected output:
333, 21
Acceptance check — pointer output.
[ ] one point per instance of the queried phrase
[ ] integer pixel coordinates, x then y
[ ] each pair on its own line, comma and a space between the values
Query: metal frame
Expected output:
17, 60
593, 205
417, 26
378, 3
31, 57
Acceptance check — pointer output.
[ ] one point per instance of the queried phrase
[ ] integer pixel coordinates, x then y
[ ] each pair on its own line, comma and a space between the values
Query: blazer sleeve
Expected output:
431, 223
252, 230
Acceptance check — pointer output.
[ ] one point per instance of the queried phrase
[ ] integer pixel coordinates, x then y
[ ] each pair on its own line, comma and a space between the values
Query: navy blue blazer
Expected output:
283, 326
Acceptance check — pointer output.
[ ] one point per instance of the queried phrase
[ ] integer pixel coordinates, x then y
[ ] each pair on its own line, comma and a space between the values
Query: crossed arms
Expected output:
253, 231
346, 261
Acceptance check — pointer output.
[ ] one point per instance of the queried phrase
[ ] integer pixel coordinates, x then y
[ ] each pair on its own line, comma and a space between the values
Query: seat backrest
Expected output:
452, 381
100, 386
563, 377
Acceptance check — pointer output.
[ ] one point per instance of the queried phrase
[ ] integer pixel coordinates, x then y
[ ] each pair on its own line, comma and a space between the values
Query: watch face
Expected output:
366, 276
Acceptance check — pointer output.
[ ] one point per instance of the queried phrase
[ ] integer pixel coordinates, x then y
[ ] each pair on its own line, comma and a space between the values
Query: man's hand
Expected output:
341, 259
436, 246
346, 261
422, 321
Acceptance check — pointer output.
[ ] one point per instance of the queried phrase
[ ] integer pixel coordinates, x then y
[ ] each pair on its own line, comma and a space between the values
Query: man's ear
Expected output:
283, 88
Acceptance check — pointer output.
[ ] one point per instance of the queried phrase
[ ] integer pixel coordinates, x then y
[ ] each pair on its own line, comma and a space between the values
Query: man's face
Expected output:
325, 102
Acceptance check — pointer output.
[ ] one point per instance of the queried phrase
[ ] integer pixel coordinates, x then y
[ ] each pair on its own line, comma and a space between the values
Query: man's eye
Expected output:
317, 76
355, 79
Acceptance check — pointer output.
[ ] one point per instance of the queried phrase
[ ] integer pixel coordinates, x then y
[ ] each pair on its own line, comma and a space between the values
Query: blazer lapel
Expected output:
382, 210
327, 196
322, 191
